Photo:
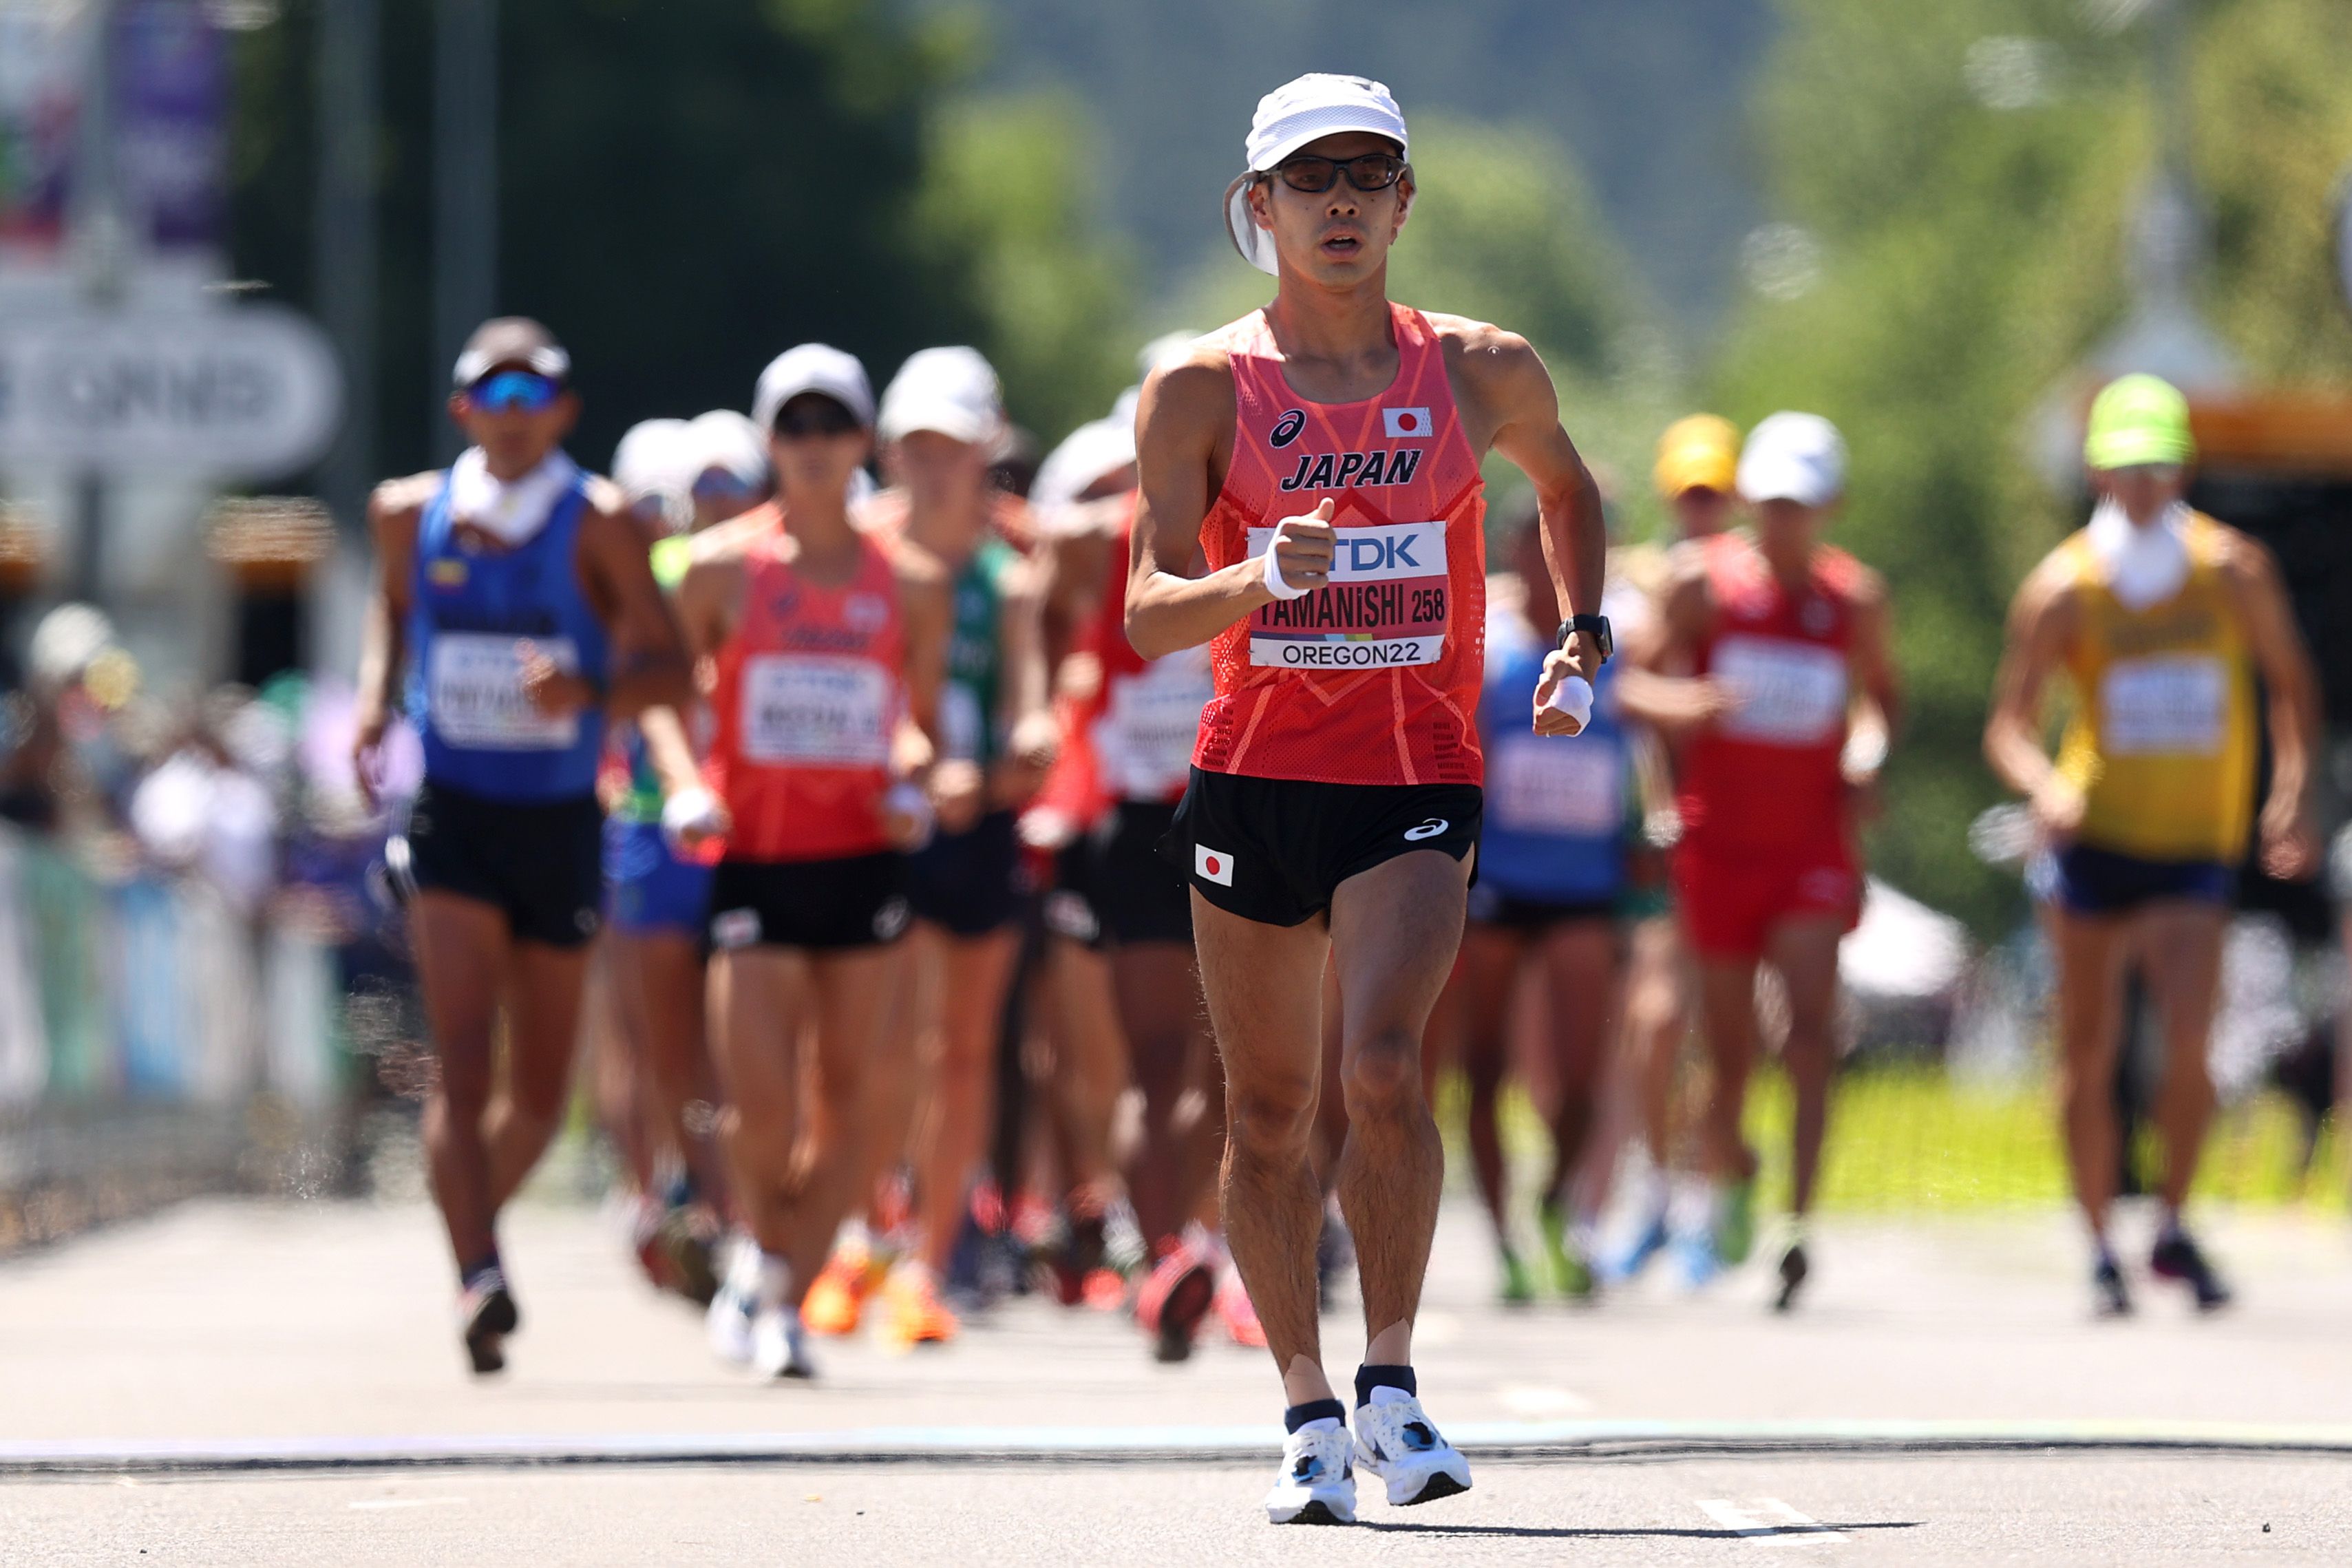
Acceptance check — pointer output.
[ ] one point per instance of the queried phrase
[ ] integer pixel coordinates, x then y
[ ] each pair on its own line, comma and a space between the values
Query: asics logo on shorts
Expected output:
735, 928
891, 919
1430, 829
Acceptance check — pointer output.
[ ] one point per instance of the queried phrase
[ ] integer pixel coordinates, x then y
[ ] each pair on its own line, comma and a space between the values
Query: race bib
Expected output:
1144, 739
1385, 605
473, 690
817, 709
1563, 788
1789, 693
2163, 705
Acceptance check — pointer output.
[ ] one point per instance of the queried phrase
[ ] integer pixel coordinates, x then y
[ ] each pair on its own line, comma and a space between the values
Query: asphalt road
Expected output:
259, 1383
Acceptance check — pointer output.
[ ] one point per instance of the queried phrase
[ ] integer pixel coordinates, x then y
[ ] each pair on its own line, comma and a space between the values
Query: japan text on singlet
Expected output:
810, 692
1767, 772
1374, 678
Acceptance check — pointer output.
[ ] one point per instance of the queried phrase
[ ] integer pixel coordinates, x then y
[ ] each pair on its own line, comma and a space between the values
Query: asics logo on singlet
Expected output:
1339, 470
1430, 829
1287, 428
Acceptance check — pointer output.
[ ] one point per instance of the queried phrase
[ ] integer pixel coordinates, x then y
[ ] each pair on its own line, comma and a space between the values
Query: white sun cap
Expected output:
655, 456
726, 439
1305, 110
1087, 455
1793, 457
812, 367
952, 391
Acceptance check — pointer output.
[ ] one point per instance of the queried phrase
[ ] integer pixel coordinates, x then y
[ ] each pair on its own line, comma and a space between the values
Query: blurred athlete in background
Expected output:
2161, 619
521, 612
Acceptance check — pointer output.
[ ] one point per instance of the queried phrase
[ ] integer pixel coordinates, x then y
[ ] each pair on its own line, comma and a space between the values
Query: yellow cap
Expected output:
1701, 450
2138, 419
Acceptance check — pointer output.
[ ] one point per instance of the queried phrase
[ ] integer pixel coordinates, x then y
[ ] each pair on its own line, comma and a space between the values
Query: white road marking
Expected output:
385, 1503
1765, 1518
1538, 1399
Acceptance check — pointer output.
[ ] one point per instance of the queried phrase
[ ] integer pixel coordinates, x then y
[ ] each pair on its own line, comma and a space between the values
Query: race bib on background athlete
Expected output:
1571, 789
1384, 606
1789, 693
2163, 705
1144, 739
473, 688
815, 709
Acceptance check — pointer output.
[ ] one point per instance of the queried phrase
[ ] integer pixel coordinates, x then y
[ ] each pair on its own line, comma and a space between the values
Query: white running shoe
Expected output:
1403, 1446
780, 1344
1318, 1482
728, 1322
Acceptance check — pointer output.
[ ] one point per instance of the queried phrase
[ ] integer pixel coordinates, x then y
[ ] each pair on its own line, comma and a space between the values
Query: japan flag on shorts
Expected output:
1213, 866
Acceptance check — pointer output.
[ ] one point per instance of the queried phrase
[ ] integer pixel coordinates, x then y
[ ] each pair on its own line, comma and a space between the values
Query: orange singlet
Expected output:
1374, 678
811, 688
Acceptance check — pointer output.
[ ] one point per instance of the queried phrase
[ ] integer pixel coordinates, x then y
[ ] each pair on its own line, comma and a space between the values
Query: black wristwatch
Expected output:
1597, 624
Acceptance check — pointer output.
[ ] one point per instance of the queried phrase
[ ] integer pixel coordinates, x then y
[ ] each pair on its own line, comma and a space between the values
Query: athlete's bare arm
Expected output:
1508, 405
1656, 686
708, 600
1184, 437
650, 663
1869, 662
2043, 622
394, 510
926, 602
2289, 844
1025, 700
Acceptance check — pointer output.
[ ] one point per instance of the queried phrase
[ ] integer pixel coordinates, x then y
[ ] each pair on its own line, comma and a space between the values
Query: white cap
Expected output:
812, 367
1087, 455
725, 439
1305, 110
952, 391
1793, 457
655, 456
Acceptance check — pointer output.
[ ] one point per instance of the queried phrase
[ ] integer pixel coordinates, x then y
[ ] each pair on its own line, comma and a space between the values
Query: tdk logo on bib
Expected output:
1384, 606
1407, 424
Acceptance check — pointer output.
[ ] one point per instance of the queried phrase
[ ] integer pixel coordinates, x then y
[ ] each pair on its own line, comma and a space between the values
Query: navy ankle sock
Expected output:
469, 1272
1369, 1377
1298, 1416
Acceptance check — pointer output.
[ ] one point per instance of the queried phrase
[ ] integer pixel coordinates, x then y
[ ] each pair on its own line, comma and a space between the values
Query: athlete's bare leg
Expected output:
1727, 994
1158, 989
461, 946
2091, 951
614, 1051
1805, 952
2179, 948
1483, 988
542, 995
1089, 1059
1580, 963
1395, 932
661, 971
1657, 1017
974, 972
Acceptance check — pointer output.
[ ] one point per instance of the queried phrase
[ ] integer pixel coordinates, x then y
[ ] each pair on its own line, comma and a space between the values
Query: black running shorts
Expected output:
1273, 849
966, 882
539, 863
1489, 905
858, 901
1137, 895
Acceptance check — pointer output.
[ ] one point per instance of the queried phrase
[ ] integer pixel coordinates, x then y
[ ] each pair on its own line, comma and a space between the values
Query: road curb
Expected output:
1585, 1441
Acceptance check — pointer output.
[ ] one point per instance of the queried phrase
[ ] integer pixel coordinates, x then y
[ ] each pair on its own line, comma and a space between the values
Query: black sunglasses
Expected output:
1315, 174
817, 417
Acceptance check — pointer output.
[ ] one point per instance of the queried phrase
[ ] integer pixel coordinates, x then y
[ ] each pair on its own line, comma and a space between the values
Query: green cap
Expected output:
2138, 419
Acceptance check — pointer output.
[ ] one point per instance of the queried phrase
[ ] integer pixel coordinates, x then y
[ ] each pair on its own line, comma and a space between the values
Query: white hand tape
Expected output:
1573, 697
692, 810
906, 798
1273, 573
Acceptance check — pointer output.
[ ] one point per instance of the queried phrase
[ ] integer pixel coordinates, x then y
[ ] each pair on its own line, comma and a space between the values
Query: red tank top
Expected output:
1767, 774
1143, 722
1374, 678
811, 689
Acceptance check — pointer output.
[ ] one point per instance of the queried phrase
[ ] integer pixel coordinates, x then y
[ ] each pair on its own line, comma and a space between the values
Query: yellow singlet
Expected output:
2162, 740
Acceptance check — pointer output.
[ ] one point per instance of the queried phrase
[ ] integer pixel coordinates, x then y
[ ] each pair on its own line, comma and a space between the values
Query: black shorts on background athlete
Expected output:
965, 881
858, 901
540, 863
1135, 894
1273, 849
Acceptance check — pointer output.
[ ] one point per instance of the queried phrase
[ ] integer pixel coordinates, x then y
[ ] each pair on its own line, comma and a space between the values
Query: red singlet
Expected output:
1766, 776
1144, 721
811, 688
1373, 679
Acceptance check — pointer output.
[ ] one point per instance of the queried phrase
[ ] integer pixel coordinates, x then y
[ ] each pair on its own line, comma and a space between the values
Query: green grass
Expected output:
1912, 1140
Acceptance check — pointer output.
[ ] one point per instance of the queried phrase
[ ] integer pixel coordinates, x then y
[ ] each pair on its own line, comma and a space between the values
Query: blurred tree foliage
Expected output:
1962, 176
1504, 231
686, 189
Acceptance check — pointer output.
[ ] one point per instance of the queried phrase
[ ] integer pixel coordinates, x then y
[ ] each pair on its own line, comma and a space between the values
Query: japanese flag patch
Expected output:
1408, 423
1213, 866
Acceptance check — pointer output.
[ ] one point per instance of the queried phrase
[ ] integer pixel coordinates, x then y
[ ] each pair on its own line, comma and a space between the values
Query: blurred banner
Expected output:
43, 68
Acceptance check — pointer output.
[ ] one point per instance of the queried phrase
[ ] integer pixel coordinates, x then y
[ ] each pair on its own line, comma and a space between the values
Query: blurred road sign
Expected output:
248, 393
